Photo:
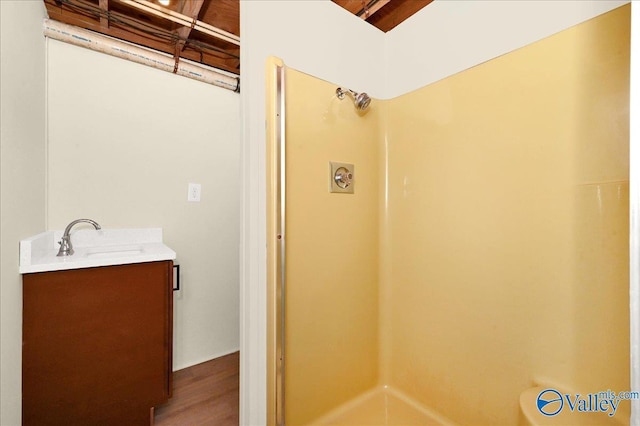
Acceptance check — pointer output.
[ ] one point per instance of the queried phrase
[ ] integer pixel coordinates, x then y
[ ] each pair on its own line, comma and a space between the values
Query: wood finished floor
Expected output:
206, 394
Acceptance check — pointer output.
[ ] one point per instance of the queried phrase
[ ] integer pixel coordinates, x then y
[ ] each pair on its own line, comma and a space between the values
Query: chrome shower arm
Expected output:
340, 92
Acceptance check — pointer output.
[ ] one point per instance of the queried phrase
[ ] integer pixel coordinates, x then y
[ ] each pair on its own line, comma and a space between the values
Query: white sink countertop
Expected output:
93, 248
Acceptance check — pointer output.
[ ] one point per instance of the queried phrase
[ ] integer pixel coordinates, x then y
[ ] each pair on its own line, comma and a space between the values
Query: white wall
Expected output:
124, 142
22, 177
450, 36
319, 38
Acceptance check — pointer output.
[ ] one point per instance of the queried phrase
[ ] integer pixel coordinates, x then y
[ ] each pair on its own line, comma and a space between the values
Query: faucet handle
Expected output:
66, 249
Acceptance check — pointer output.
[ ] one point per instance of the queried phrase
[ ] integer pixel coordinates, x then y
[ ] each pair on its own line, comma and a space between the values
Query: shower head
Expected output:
361, 100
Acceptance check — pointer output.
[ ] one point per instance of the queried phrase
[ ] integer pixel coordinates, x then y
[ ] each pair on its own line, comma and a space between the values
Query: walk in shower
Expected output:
484, 247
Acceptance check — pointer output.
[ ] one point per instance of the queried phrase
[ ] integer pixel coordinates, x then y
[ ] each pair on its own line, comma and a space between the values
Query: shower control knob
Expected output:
343, 177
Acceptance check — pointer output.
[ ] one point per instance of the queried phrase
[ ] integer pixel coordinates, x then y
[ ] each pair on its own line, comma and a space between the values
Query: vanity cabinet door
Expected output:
97, 344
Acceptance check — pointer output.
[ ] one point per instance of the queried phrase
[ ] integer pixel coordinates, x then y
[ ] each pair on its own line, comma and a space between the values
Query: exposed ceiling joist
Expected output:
192, 10
383, 14
104, 20
371, 8
181, 19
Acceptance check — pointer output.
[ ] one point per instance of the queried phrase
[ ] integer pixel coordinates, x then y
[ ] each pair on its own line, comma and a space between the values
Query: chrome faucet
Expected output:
66, 249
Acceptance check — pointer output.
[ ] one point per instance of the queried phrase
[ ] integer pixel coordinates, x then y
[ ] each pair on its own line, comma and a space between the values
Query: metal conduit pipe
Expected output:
99, 43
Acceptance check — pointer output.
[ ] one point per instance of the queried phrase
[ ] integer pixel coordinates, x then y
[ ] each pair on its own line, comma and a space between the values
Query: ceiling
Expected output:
204, 31
383, 14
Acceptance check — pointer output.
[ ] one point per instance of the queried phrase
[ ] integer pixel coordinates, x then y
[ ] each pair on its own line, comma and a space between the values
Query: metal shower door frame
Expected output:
280, 252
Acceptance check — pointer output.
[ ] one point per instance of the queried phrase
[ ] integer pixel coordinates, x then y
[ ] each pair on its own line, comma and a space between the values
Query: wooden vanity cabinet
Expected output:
97, 344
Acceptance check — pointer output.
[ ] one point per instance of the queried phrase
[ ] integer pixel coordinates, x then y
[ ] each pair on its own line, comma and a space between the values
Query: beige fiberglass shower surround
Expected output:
484, 250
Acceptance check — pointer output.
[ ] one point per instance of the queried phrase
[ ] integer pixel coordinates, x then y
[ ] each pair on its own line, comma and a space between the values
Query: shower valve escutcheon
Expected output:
341, 177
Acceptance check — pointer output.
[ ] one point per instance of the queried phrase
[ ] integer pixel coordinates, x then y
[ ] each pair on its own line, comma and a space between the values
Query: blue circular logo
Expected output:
549, 402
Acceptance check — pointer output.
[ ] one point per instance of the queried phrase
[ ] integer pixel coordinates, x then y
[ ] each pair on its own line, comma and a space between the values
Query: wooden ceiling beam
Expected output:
104, 16
383, 14
372, 7
192, 10
396, 12
353, 6
153, 9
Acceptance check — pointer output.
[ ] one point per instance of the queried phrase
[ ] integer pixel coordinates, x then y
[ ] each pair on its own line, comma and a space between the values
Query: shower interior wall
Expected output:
331, 301
508, 194
485, 248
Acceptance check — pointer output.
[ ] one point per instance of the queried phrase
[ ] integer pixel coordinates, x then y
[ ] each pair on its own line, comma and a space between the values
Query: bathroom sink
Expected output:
113, 251
93, 248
